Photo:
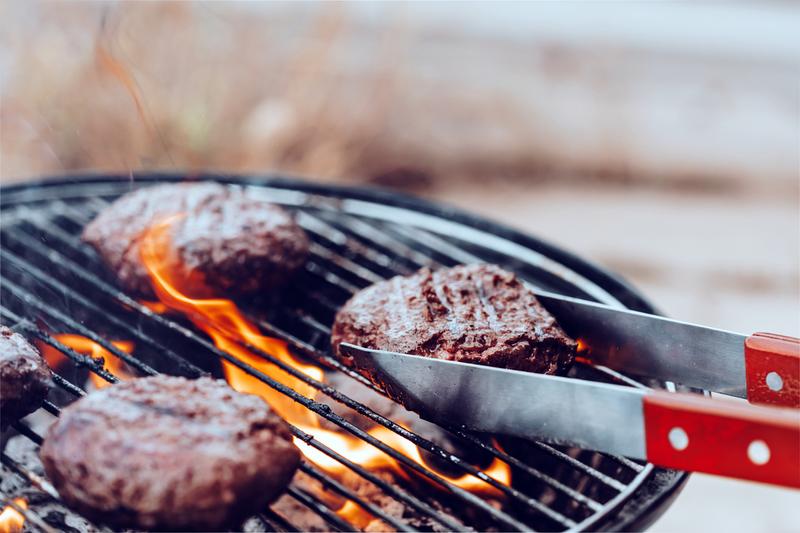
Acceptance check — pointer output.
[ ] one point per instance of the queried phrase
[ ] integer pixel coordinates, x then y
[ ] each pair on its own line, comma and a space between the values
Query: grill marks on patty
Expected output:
227, 238
169, 453
476, 313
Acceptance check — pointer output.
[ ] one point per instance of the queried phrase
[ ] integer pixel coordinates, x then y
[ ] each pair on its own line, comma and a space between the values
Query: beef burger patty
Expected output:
169, 453
225, 238
24, 377
477, 314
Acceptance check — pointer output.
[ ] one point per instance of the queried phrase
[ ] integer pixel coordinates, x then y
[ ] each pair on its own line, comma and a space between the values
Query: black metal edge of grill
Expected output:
634, 508
613, 283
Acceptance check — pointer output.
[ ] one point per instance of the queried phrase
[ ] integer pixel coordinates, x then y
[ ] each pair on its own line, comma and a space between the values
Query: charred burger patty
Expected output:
24, 377
222, 238
477, 314
169, 453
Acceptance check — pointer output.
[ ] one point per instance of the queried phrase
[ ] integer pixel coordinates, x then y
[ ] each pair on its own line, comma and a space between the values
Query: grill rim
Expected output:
613, 283
636, 508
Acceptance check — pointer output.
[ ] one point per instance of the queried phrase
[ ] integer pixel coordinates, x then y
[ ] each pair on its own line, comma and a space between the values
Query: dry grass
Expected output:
311, 89
144, 85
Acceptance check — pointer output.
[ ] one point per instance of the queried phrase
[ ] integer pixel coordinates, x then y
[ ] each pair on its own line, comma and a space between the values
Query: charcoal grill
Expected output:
51, 282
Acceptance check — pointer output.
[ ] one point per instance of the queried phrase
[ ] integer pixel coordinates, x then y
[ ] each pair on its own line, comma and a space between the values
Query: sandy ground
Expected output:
730, 261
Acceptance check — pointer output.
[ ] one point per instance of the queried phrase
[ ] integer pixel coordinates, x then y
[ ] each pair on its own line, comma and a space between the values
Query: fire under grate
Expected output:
53, 283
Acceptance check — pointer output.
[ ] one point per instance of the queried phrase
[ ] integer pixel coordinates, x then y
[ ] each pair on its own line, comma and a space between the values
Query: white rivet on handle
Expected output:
774, 381
678, 438
758, 452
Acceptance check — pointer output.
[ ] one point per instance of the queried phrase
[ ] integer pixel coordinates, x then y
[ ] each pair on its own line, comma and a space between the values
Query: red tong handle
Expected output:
722, 437
772, 369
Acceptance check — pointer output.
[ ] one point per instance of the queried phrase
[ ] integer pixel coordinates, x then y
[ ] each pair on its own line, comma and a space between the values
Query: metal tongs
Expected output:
674, 430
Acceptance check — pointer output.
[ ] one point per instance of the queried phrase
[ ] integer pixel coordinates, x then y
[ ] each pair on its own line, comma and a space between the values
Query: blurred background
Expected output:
661, 140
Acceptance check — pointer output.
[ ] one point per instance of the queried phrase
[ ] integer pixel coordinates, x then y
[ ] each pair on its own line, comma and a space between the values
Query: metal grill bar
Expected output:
435, 247
46, 487
533, 503
79, 359
320, 508
52, 408
308, 500
386, 423
389, 489
608, 481
398, 494
458, 255
318, 409
89, 362
28, 515
624, 461
341, 243
579, 465
308, 402
276, 522
544, 478
57, 378
329, 277
23, 429
417, 440
343, 491
309, 351
137, 334
375, 237
332, 238
603, 374
35, 480
345, 288
38, 482
347, 254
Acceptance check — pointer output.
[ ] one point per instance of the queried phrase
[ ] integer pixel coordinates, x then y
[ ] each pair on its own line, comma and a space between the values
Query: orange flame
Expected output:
222, 320
156, 307
11, 520
354, 514
88, 347
372, 458
225, 324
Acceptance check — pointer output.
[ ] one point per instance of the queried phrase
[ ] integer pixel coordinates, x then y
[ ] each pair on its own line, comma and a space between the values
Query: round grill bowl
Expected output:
356, 229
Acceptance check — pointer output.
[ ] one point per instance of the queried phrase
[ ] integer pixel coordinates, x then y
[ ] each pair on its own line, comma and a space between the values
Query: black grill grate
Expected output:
53, 282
